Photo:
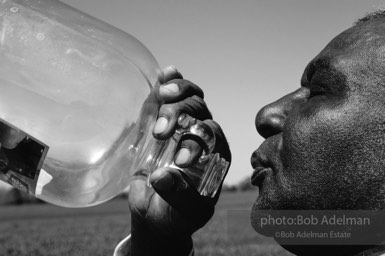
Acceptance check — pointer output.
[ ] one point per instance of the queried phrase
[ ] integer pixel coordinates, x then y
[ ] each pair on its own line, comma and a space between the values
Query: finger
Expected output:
170, 73
211, 140
169, 114
189, 152
198, 138
175, 189
176, 90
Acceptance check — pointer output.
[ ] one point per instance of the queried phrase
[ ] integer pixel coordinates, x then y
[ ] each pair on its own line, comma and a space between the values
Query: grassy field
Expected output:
42, 230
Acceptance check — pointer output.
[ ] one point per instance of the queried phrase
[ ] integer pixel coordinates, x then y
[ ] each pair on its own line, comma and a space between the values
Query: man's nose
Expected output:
271, 118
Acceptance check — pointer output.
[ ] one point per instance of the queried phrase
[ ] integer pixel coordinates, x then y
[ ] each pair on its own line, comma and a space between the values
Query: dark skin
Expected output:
168, 213
324, 146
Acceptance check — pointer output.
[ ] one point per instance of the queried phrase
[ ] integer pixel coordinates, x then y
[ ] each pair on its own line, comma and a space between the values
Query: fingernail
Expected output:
183, 156
161, 125
169, 89
164, 182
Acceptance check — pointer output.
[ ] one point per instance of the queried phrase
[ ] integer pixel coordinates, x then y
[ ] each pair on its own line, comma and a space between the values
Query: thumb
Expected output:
162, 180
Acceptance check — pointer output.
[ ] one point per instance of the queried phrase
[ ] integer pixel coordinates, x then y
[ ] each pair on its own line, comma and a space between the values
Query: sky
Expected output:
244, 54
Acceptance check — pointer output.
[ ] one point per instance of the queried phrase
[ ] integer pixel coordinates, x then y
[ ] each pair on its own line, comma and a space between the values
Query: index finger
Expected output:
170, 73
177, 90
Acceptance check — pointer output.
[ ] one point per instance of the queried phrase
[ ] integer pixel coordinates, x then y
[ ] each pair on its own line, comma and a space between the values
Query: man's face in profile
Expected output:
325, 142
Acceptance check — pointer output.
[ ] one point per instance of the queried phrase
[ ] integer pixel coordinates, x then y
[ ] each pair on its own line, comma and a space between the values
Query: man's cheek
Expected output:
323, 127
296, 141
308, 146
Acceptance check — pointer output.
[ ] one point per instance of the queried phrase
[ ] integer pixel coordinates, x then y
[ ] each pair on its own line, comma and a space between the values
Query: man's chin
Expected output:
265, 199
260, 209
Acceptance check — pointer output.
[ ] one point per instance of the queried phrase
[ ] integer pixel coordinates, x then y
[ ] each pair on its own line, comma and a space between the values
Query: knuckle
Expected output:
185, 121
176, 81
198, 99
188, 88
169, 110
195, 106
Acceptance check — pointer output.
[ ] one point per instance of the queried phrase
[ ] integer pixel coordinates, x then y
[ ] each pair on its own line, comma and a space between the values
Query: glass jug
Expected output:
75, 92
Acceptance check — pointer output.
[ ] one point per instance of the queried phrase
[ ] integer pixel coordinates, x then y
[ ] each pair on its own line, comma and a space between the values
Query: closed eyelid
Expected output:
329, 78
321, 75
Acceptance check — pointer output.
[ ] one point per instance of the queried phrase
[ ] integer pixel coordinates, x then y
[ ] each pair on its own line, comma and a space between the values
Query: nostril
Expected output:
267, 131
269, 124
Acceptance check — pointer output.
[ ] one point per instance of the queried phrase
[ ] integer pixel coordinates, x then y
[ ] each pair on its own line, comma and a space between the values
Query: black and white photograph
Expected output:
206, 128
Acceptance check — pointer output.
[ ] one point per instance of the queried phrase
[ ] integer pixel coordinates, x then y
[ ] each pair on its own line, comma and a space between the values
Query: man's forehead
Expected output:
359, 47
369, 35
357, 54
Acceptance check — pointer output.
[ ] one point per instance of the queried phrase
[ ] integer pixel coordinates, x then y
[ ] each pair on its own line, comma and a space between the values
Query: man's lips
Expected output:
262, 166
266, 160
259, 175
